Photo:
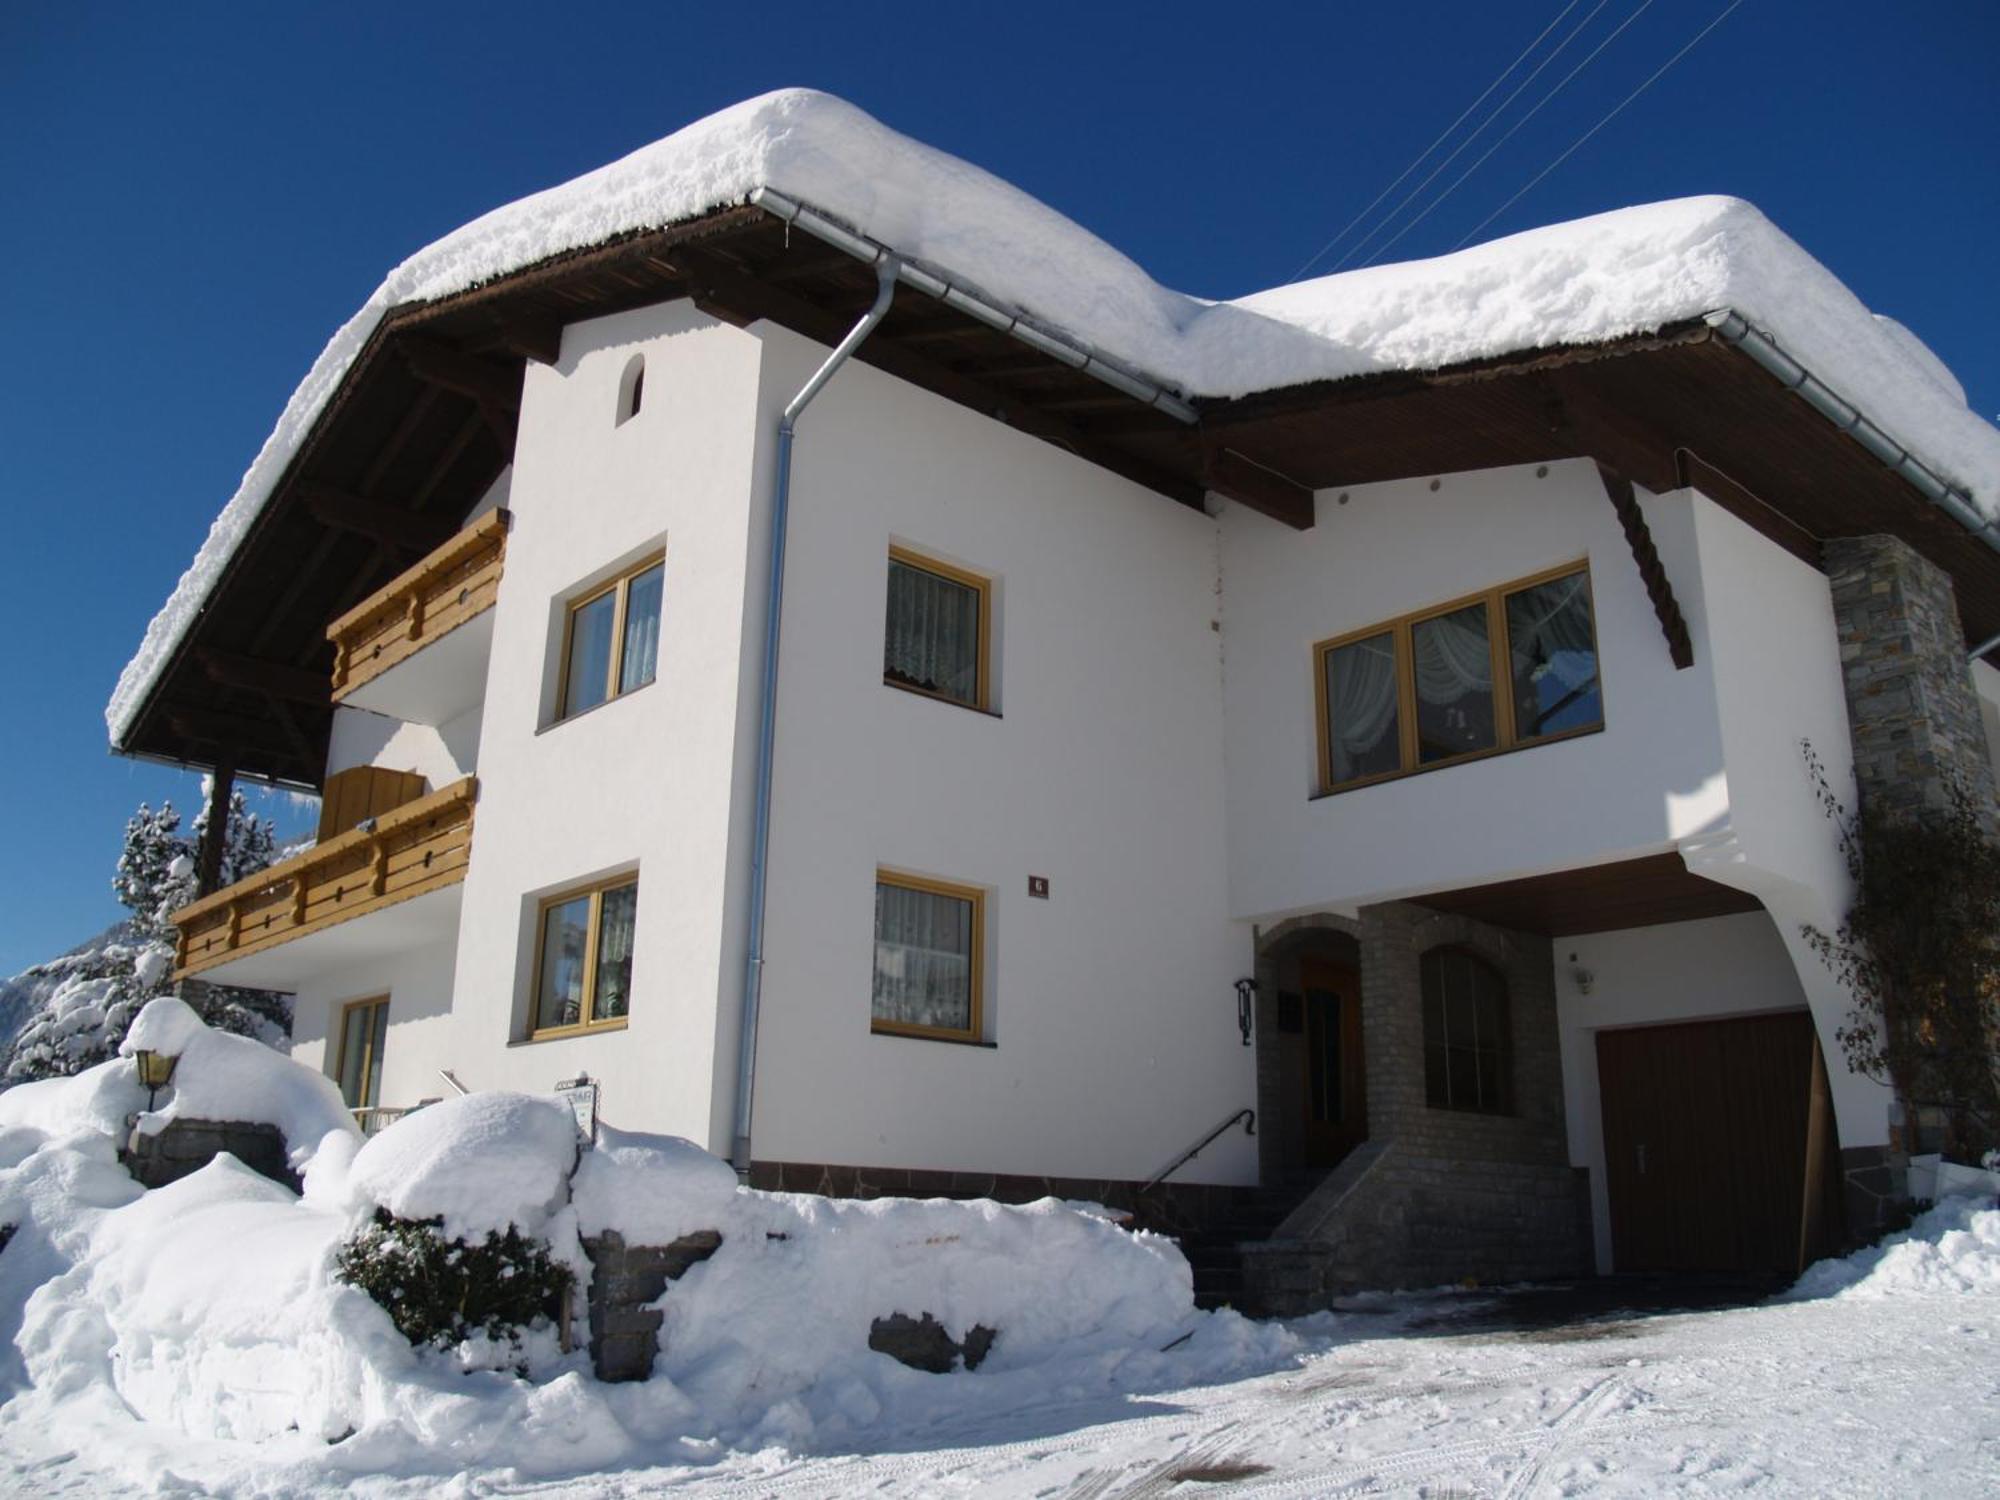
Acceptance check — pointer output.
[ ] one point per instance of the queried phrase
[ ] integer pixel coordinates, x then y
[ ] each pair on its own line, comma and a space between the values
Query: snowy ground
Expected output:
1868, 1396
199, 1339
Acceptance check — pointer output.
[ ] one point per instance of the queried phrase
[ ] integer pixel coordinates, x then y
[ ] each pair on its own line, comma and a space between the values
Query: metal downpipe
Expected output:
767, 711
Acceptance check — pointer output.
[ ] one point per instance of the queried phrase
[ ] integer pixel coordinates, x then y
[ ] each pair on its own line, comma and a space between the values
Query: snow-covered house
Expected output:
1377, 703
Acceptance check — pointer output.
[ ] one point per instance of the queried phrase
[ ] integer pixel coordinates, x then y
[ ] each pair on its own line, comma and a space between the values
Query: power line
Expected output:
1530, 184
1534, 110
1477, 130
1415, 162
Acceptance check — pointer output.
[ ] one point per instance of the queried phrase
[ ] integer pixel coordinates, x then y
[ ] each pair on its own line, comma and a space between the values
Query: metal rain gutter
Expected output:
1078, 355
1733, 329
767, 712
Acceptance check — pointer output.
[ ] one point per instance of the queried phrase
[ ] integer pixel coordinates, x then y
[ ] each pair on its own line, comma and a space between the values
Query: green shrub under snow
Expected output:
442, 1292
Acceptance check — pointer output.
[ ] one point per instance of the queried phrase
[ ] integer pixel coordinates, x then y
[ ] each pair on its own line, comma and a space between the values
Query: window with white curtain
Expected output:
583, 961
929, 945
1514, 666
611, 643
938, 631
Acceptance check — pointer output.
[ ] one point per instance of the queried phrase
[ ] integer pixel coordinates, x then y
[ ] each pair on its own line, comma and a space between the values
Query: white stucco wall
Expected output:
1109, 1004
1768, 628
1651, 778
419, 986
440, 755
1153, 755
1684, 971
644, 781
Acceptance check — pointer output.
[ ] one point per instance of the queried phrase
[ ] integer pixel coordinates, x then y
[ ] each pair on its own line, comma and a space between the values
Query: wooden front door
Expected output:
1718, 1145
1336, 1101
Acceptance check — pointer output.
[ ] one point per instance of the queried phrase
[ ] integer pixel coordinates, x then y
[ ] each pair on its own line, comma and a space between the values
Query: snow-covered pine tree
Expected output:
97, 991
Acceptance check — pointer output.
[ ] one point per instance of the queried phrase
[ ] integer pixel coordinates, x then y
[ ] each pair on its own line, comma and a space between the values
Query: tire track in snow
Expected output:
1583, 1413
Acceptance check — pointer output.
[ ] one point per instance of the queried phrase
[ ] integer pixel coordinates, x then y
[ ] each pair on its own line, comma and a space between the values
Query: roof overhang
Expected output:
422, 424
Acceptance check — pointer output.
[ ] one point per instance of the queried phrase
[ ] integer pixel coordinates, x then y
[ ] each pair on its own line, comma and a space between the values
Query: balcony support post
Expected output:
215, 829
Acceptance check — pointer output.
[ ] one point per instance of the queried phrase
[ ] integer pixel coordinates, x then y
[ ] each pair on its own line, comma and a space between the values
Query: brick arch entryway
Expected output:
1312, 1075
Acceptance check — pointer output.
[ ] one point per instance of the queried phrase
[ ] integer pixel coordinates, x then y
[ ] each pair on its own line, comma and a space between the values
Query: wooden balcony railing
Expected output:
418, 847
456, 583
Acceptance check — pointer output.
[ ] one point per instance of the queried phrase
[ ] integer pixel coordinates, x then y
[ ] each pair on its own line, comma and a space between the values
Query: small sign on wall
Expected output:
580, 1093
1038, 887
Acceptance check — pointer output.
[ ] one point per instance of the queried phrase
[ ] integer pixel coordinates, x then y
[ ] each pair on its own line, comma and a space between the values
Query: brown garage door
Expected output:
1718, 1145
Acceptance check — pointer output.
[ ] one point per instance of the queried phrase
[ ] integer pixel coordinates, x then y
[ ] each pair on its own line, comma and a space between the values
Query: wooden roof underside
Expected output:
423, 424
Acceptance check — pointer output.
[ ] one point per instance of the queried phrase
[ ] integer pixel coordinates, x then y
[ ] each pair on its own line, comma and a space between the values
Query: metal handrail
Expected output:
1246, 1115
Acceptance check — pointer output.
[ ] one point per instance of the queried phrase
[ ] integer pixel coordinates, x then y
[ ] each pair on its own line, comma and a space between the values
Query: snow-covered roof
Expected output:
1627, 272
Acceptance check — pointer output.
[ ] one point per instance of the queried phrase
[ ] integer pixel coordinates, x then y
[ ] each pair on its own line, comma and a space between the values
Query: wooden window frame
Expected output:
621, 584
1499, 650
982, 701
340, 1057
976, 1031
596, 891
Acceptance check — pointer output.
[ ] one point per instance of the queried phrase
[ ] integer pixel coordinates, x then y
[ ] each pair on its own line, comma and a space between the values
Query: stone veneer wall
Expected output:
625, 1282
1912, 711
1437, 1195
1913, 717
183, 1147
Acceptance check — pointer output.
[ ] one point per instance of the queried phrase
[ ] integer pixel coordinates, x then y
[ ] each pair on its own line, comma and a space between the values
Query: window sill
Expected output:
1470, 758
563, 1033
584, 713
917, 692
911, 1034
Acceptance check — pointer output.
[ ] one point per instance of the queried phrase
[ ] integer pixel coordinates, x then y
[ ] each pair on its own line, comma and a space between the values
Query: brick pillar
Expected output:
1911, 708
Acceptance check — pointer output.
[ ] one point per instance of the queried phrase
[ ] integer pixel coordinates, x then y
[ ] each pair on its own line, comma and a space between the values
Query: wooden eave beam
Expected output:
439, 364
1590, 427
391, 525
1236, 477
274, 679
239, 736
536, 337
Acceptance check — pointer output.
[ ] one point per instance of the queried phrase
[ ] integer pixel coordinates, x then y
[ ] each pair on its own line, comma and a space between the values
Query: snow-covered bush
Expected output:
445, 1292
224, 1306
89, 997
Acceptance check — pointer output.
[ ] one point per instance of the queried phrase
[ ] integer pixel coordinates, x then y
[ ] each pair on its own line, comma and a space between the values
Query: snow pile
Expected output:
1618, 273
480, 1163
202, 1326
221, 1076
1952, 1248
651, 1189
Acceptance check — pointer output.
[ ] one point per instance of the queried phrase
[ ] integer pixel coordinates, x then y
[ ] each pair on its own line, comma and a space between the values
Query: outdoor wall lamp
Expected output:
1246, 990
156, 1071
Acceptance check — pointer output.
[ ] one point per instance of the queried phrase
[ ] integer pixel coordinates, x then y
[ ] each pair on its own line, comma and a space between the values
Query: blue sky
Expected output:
198, 196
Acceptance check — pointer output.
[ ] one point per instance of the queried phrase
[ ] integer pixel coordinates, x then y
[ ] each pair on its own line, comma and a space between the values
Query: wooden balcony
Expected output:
420, 847
450, 589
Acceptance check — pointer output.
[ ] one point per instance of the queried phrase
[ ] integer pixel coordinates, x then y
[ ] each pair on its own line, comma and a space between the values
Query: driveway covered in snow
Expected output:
1864, 1395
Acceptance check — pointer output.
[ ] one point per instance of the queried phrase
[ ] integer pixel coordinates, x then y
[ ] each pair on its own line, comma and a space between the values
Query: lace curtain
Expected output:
639, 661
616, 920
1361, 708
933, 633
923, 959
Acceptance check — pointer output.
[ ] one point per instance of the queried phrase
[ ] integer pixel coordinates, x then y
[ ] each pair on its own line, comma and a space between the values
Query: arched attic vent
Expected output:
631, 389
